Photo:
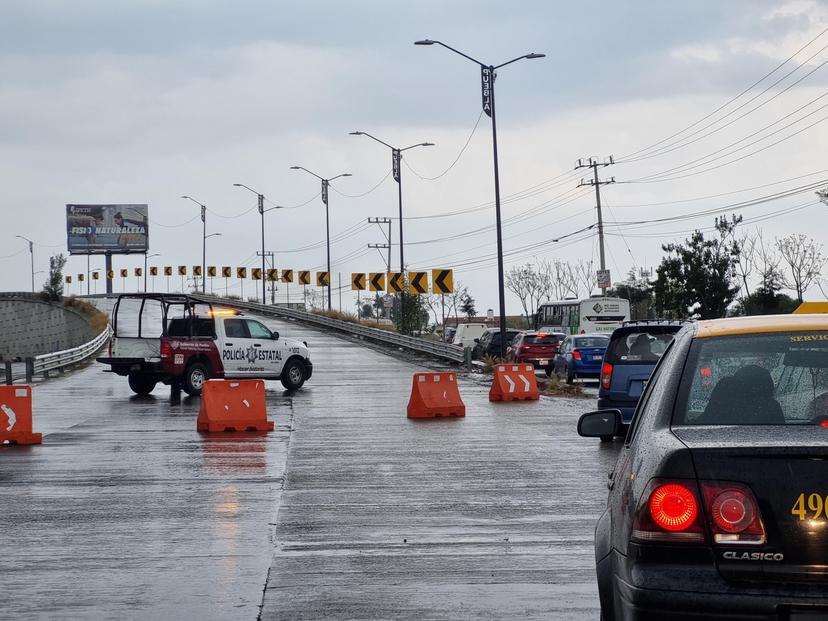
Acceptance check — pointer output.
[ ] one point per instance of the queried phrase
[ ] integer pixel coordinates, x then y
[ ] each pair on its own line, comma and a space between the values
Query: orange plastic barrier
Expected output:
233, 405
514, 382
16, 416
435, 394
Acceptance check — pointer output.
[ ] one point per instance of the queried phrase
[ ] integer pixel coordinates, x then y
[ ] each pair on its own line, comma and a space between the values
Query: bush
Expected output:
554, 387
97, 320
489, 363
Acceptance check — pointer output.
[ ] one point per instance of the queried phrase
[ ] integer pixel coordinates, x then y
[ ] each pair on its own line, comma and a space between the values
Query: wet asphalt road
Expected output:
347, 510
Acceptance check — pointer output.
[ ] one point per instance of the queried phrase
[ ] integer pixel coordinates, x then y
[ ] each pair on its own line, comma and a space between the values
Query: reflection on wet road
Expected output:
126, 511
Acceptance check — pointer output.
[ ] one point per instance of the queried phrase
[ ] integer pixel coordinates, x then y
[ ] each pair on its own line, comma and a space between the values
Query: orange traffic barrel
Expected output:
233, 405
16, 416
514, 382
435, 394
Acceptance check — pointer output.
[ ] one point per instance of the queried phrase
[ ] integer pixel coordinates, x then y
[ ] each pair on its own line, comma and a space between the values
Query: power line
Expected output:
456, 159
629, 156
381, 181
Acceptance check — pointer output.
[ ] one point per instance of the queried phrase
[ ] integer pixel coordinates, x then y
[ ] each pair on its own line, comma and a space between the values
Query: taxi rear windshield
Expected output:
757, 379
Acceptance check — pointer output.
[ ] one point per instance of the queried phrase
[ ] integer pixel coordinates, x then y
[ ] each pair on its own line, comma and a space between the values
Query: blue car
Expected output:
581, 355
633, 351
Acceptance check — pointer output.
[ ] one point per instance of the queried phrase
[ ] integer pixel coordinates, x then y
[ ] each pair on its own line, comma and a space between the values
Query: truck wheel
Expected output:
194, 378
293, 375
141, 384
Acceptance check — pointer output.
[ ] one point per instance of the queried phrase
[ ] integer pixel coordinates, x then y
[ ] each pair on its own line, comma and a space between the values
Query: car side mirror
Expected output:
599, 423
275, 336
476, 340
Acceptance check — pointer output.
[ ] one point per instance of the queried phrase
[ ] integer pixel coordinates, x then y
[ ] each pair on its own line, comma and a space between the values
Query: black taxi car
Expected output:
718, 504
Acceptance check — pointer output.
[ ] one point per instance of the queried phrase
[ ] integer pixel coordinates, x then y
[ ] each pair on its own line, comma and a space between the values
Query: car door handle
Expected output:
257, 344
229, 344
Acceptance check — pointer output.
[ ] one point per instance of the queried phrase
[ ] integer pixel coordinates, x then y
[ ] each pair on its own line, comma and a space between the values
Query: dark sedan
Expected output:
717, 504
489, 343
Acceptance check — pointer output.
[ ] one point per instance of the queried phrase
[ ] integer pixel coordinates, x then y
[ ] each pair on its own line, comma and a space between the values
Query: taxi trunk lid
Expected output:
780, 464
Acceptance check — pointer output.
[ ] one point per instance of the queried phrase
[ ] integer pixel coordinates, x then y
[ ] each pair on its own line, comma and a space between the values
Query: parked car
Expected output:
632, 353
467, 332
580, 356
716, 506
489, 343
538, 348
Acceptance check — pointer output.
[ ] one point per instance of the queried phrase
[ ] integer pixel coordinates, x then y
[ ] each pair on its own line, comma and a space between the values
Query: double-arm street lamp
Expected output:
203, 243
262, 212
396, 169
325, 184
31, 252
487, 81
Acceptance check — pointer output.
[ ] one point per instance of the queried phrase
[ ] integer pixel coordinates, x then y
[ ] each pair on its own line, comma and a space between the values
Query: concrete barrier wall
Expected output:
30, 327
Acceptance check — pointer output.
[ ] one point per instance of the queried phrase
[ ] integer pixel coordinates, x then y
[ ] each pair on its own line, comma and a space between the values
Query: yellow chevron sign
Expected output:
110, 275
96, 275
418, 282
396, 282
304, 277
124, 273
211, 271
153, 271
139, 271
196, 270
182, 270
227, 271
376, 281
287, 275
442, 281
323, 279
80, 277
357, 282
272, 275
168, 270
256, 273
241, 272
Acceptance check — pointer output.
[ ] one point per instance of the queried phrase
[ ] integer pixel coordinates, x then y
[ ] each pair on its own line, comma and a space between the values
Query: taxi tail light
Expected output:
733, 514
669, 512
166, 350
606, 375
576, 354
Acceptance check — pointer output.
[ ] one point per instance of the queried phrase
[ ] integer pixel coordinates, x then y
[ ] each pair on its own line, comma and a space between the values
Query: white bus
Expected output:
588, 316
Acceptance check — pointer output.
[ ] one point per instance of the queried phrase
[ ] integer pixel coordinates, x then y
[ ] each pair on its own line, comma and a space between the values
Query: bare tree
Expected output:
434, 303
454, 300
804, 259
529, 286
746, 258
585, 276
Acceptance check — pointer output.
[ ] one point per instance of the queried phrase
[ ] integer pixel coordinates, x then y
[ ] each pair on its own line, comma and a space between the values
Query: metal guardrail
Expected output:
57, 360
438, 349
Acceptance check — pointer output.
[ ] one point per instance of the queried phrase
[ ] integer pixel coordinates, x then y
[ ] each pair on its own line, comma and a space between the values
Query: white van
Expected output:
467, 332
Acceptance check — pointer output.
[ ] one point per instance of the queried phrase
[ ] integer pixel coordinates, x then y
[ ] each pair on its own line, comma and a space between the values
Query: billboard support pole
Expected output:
109, 269
88, 278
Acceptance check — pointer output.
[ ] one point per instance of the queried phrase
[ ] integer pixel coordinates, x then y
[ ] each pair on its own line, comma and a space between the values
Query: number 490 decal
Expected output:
810, 507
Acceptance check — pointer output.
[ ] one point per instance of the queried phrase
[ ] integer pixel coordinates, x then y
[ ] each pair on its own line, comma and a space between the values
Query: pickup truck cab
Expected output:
163, 338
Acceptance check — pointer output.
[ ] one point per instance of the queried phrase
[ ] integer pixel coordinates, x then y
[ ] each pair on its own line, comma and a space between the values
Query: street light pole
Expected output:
396, 169
487, 80
31, 252
325, 184
262, 212
203, 244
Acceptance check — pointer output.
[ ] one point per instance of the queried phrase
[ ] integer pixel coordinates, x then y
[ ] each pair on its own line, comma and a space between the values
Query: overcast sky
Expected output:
141, 102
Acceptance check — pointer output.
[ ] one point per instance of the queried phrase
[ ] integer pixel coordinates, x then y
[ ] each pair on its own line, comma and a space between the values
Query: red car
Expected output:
539, 348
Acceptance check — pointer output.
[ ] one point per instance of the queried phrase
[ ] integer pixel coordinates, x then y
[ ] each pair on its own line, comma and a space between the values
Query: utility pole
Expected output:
380, 222
593, 163
269, 255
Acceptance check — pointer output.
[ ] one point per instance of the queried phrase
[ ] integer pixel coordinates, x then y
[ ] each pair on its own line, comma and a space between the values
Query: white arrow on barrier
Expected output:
525, 381
511, 383
10, 415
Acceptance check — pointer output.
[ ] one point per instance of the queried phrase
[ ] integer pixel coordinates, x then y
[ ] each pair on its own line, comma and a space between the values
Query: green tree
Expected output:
467, 305
53, 287
767, 299
638, 291
696, 277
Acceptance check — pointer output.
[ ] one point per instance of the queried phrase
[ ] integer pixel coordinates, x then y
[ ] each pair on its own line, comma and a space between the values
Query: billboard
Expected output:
101, 229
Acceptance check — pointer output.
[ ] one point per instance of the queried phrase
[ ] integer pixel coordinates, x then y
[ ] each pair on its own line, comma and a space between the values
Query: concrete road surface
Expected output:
347, 510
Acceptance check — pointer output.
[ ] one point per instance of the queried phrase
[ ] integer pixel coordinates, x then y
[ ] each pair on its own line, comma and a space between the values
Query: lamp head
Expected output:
424, 42
238, 185
355, 133
534, 55
427, 144
294, 167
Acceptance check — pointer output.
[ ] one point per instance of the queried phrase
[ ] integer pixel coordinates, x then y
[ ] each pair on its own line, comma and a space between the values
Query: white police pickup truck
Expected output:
176, 339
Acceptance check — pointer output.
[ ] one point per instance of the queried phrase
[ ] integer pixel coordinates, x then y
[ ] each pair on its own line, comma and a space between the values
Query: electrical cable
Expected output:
457, 159
381, 181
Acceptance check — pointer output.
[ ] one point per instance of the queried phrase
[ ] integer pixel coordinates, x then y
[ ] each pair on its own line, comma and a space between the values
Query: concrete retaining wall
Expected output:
30, 326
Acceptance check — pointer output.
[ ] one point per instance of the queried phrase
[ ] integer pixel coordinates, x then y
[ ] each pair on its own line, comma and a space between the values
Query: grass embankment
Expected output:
98, 320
